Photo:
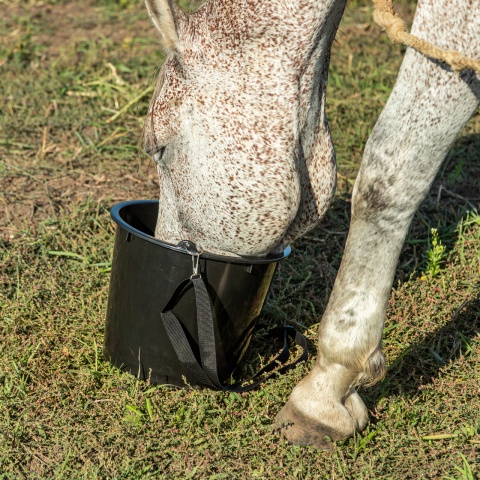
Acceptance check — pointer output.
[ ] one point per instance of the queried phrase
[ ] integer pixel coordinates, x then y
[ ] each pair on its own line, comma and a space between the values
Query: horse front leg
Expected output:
427, 109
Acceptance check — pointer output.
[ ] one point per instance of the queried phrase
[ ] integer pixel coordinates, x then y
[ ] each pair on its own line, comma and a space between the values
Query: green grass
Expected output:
67, 413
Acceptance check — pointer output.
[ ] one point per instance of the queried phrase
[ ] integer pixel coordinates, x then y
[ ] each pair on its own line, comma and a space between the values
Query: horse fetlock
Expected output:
365, 370
374, 369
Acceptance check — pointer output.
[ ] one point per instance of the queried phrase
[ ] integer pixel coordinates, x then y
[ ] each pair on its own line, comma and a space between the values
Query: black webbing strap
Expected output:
206, 332
205, 373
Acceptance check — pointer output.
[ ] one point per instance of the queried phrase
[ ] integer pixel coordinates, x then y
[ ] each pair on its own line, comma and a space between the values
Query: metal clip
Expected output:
196, 266
195, 251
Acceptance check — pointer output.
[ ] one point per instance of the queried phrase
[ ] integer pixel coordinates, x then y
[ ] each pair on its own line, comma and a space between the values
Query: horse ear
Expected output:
162, 13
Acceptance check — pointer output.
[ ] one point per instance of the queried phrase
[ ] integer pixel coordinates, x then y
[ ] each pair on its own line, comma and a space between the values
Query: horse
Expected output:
246, 164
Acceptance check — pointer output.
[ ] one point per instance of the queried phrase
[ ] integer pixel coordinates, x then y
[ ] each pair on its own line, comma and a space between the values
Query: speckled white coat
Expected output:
246, 164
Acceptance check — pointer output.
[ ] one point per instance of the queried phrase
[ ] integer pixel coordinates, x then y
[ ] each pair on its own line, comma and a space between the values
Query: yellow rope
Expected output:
385, 16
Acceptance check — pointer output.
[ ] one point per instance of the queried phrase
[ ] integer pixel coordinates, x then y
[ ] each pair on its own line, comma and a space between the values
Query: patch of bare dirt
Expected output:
34, 186
28, 198
63, 25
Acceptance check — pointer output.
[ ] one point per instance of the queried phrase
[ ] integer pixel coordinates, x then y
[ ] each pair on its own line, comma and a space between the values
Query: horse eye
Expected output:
156, 153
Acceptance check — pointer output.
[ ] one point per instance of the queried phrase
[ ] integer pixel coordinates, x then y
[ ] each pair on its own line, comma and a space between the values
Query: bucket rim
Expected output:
115, 215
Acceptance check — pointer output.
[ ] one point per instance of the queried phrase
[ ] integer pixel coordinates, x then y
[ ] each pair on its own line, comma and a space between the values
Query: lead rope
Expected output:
396, 29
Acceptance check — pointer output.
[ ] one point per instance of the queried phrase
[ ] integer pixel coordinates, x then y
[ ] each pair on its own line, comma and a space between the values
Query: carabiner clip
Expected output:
195, 252
196, 266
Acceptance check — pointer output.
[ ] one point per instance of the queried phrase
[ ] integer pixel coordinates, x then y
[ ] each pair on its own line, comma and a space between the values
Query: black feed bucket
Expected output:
174, 312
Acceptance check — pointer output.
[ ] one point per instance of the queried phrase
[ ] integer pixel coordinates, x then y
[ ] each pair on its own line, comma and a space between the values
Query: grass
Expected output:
67, 70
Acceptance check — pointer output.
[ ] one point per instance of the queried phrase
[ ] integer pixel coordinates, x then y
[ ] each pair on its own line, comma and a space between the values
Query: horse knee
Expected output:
386, 193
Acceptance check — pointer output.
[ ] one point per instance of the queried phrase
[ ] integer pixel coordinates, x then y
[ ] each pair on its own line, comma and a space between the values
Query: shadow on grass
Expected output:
455, 191
303, 279
419, 364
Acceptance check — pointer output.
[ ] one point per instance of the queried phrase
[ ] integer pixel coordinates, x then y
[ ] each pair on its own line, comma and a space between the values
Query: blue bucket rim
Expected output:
115, 215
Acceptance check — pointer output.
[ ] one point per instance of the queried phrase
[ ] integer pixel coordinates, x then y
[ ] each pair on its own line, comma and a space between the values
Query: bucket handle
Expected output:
205, 373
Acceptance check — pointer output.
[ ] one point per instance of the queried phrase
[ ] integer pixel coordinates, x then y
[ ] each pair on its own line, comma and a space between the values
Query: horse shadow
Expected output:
418, 366
455, 191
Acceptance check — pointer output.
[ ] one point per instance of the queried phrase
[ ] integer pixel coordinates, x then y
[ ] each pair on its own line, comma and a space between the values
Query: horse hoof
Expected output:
344, 419
300, 430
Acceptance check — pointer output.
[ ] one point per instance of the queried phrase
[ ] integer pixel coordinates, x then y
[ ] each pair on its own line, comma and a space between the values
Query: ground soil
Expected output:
50, 184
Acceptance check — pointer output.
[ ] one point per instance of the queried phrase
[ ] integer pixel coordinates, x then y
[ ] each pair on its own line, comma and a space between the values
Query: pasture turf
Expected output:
75, 80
